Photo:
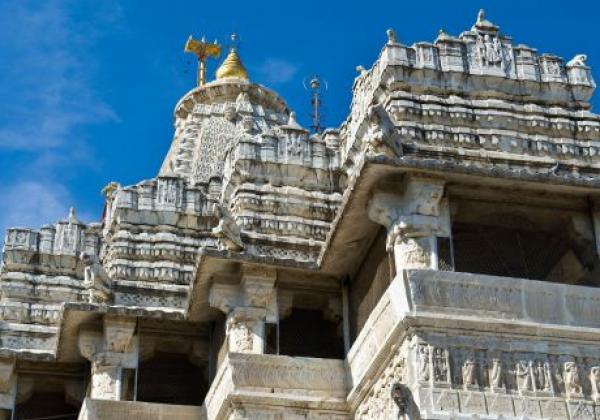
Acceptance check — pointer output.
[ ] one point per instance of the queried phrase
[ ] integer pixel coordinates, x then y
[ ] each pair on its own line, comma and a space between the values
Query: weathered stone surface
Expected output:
252, 219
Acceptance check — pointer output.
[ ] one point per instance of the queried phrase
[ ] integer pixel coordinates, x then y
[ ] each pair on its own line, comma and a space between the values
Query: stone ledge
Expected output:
93, 409
269, 380
503, 299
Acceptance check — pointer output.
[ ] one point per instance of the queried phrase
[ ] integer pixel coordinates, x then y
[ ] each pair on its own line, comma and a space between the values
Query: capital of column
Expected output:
256, 289
109, 351
248, 306
224, 297
118, 333
258, 285
414, 202
413, 213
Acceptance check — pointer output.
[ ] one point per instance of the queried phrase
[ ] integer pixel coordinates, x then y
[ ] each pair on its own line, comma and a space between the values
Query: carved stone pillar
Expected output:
247, 306
8, 386
415, 215
110, 352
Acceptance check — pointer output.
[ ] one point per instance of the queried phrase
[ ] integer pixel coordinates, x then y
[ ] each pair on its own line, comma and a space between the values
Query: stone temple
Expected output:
434, 257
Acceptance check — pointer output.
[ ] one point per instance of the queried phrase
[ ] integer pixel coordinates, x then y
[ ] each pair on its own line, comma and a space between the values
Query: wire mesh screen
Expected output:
506, 252
444, 249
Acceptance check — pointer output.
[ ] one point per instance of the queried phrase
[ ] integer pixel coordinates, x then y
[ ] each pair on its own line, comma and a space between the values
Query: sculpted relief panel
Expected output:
512, 372
459, 375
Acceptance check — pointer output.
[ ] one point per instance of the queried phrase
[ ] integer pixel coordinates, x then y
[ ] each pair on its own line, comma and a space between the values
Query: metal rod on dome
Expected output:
316, 85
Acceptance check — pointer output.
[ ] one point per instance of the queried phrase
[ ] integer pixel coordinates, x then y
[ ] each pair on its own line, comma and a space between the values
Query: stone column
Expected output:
8, 387
247, 306
414, 214
110, 352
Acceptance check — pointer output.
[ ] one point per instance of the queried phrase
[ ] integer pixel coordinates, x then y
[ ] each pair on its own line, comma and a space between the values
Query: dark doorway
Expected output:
46, 405
171, 378
307, 333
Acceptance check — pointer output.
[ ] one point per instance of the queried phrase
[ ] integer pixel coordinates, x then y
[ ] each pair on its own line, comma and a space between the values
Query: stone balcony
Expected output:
251, 385
459, 319
122, 410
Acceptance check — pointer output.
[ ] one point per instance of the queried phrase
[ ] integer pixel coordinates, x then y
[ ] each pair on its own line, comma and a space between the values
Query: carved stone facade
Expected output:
434, 257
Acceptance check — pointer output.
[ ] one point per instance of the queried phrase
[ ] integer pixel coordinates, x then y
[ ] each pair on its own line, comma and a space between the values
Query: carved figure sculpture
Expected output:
391, 35
469, 376
595, 381
377, 133
230, 113
228, 230
440, 365
539, 375
572, 379
401, 396
96, 280
488, 50
241, 337
248, 125
523, 374
423, 358
497, 375
579, 60
542, 376
361, 70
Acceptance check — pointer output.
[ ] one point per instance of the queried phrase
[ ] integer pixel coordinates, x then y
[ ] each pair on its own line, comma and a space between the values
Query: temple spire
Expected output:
203, 50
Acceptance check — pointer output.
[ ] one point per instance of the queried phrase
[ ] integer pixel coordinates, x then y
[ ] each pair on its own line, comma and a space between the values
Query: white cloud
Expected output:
276, 71
46, 86
31, 203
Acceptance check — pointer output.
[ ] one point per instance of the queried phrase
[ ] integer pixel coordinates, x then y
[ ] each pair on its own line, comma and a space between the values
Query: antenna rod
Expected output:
315, 86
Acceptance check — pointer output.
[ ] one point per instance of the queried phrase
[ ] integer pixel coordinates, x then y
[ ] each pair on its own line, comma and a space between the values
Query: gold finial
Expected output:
232, 67
202, 50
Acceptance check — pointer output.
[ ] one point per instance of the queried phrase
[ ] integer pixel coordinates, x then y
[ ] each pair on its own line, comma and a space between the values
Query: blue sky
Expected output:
87, 87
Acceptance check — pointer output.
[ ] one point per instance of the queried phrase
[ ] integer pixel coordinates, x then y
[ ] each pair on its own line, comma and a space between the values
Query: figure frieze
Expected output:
519, 374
